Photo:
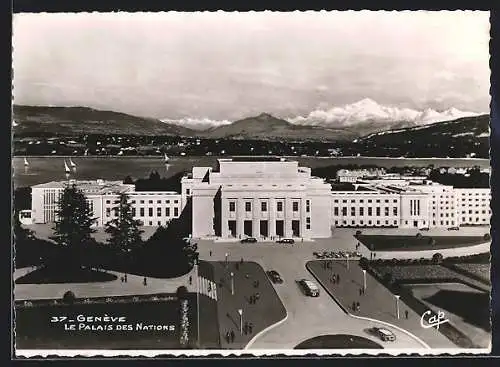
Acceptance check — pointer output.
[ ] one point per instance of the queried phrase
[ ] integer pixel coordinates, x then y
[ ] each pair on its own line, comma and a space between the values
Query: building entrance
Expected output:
264, 228
247, 228
232, 228
280, 228
296, 228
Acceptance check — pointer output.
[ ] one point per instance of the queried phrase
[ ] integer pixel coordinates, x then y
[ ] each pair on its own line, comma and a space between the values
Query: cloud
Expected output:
368, 110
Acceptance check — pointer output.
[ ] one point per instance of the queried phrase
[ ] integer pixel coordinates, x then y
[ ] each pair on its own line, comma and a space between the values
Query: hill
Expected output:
461, 137
84, 120
268, 127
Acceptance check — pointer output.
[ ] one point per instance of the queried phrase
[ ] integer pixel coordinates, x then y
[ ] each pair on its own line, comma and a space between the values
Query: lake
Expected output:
45, 169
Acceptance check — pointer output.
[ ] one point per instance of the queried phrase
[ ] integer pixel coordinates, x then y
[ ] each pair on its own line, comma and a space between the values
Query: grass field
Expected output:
35, 329
339, 341
47, 275
404, 243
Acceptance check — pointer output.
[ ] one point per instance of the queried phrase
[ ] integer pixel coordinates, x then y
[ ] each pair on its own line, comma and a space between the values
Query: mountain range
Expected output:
363, 119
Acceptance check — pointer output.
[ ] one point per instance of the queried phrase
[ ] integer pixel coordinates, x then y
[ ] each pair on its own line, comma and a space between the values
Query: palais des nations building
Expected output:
274, 197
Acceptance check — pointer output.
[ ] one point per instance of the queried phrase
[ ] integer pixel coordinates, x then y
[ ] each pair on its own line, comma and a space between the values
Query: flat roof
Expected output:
89, 186
255, 159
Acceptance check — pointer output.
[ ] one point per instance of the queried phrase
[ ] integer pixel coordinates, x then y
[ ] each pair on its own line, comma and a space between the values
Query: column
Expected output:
272, 217
288, 217
255, 217
240, 215
224, 216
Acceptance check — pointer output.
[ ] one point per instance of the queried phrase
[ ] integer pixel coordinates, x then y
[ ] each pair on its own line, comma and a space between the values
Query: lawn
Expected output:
53, 275
34, 329
420, 243
481, 271
339, 341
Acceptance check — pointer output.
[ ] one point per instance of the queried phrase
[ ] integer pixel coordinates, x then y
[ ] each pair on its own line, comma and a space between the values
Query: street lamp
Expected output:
232, 283
347, 260
364, 280
397, 305
226, 257
240, 312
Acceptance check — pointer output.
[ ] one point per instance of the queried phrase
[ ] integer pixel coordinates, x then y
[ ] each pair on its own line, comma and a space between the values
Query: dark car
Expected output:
274, 276
384, 334
286, 240
249, 240
424, 229
310, 288
453, 229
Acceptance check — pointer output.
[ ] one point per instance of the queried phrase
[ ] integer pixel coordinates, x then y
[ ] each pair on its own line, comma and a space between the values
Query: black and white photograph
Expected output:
251, 183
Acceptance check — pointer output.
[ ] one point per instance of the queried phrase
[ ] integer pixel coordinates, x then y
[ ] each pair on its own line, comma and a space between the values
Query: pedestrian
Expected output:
232, 336
210, 252
145, 281
241, 261
353, 306
250, 327
228, 337
125, 278
190, 280
210, 287
122, 279
245, 327
257, 295
406, 314
360, 291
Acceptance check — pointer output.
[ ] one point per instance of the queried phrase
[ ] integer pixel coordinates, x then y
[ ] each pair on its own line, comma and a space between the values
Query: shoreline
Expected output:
229, 156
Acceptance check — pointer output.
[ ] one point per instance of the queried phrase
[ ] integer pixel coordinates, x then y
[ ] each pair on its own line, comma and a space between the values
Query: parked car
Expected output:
384, 334
424, 229
249, 240
315, 254
286, 240
453, 229
274, 276
310, 288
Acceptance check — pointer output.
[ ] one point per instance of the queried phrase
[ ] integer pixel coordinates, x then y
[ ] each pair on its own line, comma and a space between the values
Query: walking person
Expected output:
190, 280
358, 306
145, 281
210, 253
232, 336
353, 306
257, 295
250, 327
406, 314
125, 278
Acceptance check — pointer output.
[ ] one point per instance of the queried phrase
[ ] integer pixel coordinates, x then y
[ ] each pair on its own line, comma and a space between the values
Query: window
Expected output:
263, 206
133, 201
158, 212
188, 191
361, 211
377, 201
308, 223
295, 206
142, 201
150, 201
232, 206
248, 206
361, 201
386, 201
344, 211
344, 201
370, 211
378, 211
336, 211
176, 212
308, 206
370, 222
353, 222
133, 212
167, 201
353, 201
395, 201
369, 200
141, 212
108, 201
395, 211
279, 206
108, 212
167, 212
150, 223
176, 201
158, 201
335, 201
386, 211
353, 212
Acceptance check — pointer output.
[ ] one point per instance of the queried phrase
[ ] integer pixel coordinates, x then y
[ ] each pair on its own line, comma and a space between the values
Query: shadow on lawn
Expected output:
339, 341
473, 307
55, 275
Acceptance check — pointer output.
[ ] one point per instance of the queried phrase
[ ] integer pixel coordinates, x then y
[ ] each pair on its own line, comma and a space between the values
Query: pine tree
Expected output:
73, 226
124, 229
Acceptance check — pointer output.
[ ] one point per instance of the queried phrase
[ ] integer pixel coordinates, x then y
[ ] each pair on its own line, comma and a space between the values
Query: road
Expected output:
307, 317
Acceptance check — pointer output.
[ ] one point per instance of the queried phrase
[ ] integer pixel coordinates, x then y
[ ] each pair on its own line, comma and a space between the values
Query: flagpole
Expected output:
198, 303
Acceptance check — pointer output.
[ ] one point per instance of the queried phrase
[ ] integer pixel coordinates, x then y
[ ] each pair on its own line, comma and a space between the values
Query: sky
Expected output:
226, 66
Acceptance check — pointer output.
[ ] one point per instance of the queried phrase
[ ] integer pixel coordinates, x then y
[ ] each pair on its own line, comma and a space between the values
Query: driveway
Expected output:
307, 317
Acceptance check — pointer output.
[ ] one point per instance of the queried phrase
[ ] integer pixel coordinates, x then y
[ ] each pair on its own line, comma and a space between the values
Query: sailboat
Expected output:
66, 168
166, 158
71, 163
26, 164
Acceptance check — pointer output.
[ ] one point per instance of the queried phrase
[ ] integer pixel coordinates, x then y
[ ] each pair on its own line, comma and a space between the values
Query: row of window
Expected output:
361, 211
362, 201
263, 206
142, 212
143, 201
369, 223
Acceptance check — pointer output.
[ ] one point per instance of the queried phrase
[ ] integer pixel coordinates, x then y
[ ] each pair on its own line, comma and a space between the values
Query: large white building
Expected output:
269, 198
261, 198
151, 208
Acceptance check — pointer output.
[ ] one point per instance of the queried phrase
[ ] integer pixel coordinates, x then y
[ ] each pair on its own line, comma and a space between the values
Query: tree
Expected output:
437, 258
124, 229
73, 226
128, 180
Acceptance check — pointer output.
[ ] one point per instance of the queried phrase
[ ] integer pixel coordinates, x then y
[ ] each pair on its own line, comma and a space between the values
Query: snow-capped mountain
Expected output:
367, 110
197, 123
